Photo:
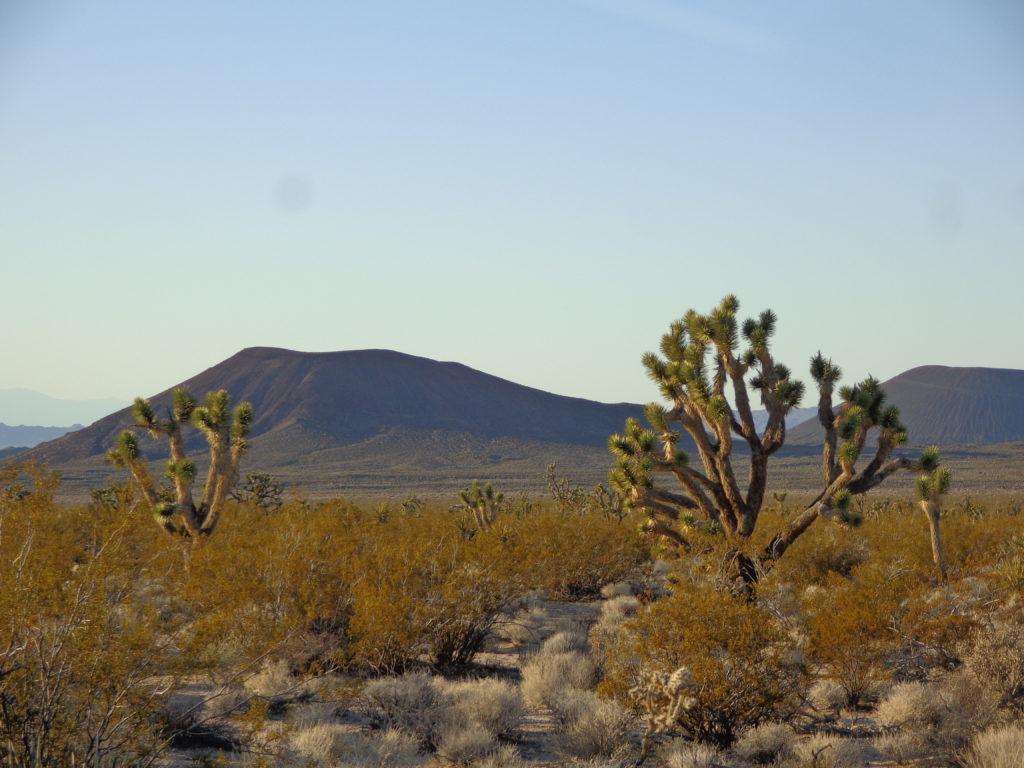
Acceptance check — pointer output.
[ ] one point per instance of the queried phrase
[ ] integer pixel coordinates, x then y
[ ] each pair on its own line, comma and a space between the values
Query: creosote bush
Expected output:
743, 668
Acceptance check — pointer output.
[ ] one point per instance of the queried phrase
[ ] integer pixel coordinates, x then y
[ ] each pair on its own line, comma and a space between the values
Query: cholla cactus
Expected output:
483, 502
662, 697
226, 432
709, 383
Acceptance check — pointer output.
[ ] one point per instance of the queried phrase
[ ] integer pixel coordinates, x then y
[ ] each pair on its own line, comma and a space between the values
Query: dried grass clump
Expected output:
970, 707
397, 750
617, 589
592, 727
565, 642
827, 696
273, 679
911, 706
689, 754
1000, 747
464, 745
996, 660
495, 706
548, 674
504, 757
614, 613
766, 743
525, 628
316, 743
412, 703
831, 752
903, 746
329, 745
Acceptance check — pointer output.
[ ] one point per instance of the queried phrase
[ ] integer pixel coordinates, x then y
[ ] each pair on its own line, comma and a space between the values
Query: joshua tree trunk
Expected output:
931, 510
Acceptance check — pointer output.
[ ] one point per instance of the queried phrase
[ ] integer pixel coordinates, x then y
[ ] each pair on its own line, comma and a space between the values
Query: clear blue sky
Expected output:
535, 188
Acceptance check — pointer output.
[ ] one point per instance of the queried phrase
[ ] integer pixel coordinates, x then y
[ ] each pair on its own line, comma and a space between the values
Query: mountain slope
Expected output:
941, 405
374, 421
316, 401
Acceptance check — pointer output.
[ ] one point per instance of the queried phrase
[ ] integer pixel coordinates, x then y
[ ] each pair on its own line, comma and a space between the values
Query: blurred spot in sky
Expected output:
293, 193
946, 213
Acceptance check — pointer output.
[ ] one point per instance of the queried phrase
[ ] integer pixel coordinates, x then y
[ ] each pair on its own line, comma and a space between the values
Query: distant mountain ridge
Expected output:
375, 419
26, 436
943, 405
323, 400
27, 407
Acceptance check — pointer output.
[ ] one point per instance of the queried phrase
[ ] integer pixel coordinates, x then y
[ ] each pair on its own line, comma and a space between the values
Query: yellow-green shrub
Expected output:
83, 640
745, 669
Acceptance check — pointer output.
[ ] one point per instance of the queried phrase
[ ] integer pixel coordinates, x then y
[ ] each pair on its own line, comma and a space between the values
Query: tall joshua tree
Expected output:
708, 382
226, 432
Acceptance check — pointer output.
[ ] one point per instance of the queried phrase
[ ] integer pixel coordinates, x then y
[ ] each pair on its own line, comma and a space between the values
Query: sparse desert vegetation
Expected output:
325, 634
697, 627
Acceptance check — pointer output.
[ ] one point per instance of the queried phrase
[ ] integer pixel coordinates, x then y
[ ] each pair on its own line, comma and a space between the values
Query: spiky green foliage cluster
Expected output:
933, 482
226, 432
483, 502
708, 369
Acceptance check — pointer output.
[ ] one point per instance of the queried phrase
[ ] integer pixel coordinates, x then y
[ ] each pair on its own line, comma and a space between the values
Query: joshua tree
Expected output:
260, 489
226, 433
931, 488
483, 502
708, 382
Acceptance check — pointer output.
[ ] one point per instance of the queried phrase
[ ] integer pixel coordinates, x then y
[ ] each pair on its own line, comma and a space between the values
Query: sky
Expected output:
535, 188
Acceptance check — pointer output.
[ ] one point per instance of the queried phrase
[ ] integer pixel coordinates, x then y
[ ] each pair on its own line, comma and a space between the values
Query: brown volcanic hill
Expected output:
941, 405
311, 407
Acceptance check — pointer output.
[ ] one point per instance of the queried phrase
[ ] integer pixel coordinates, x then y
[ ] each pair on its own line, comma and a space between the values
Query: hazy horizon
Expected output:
533, 189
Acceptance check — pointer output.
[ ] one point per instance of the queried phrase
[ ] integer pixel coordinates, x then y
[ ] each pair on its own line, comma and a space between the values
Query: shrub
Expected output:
328, 745
828, 751
565, 642
766, 743
913, 706
504, 757
495, 706
464, 745
617, 589
594, 727
850, 626
745, 669
525, 628
412, 704
81, 634
569, 557
1000, 747
996, 660
316, 742
903, 746
548, 674
614, 612
827, 696
680, 753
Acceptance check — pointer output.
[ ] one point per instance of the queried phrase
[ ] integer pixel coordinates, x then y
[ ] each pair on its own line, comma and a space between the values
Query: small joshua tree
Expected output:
708, 382
483, 502
932, 486
260, 489
226, 432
